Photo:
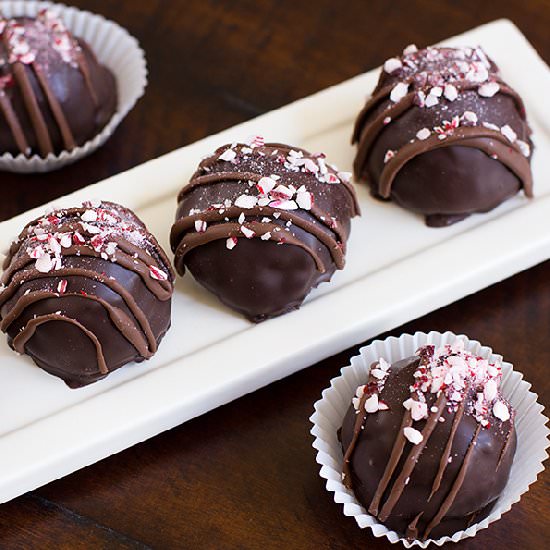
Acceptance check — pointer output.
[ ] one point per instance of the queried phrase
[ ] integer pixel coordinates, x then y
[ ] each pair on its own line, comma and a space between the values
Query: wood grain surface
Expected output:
244, 475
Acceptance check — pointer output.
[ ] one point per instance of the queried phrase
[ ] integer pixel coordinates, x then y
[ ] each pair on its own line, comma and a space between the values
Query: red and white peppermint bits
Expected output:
458, 374
255, 141
44, 264
450, 92
246, 201
399, 91
78, 238
231, 243
247, 232
489, 89
304, 199
265, 185
389, 155
89, 216
228, 155
413, 435
423, 134
392, 65
200, 226
62, 286
157, 273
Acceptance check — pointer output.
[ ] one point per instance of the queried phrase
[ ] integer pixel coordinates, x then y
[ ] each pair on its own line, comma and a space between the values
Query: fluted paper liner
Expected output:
530, 423
114, 47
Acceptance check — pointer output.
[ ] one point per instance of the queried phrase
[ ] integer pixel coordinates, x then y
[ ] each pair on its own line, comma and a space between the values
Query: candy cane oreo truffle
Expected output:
443, 135
429, 441
85, 291
261, 224
54, 94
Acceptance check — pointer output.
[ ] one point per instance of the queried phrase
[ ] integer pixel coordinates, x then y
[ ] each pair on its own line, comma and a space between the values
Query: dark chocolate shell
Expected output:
429, 442
54, 94
443, 135
85, 291
260, 225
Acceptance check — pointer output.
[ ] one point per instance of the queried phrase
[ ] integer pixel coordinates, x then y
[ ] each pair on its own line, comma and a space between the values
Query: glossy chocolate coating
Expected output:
448, 176
487, 469
52, 99
109, 295
288, 250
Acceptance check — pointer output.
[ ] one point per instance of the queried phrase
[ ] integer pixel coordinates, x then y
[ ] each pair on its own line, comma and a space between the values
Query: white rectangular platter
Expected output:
397, 269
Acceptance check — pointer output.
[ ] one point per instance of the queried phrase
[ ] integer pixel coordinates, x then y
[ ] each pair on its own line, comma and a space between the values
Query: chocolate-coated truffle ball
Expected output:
54, 94
85, 291
429, 442
443, 135
260, 225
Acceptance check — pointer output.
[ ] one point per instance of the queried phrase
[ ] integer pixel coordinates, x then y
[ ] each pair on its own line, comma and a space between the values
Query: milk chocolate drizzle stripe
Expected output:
357, 428
120, 319
336, 248
220, 177
27, 333
85, 71
489, 141
508, 439
66, 134
160, 289
384, 94
411, 460
444, 461
13, 123
37, 119
412, 529
459, 480
226, 230
373, 129
25, 276
396, 452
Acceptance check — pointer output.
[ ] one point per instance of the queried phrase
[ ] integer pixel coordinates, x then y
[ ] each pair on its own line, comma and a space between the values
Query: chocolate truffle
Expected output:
85, 291
54, 94
443, 135
261, 224
429, 442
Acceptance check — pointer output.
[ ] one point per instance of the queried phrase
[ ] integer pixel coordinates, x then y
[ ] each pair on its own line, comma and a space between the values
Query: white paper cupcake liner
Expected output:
114, 47
530, 424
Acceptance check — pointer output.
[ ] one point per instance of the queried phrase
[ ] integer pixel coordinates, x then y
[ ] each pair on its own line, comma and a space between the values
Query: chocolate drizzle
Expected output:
411, 460
274, 194
439, 477
54, 95
435, 99
455, 488
67, 261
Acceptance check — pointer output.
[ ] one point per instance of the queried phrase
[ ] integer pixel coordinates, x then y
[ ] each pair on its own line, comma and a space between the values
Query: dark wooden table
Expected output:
244, 475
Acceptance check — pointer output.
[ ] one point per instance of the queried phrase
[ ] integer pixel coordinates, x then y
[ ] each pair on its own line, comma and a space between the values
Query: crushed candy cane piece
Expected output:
488, 89
414, 436
157, 273
200, 226
399, 91
393, 64
423, 134
228, 155
247, 232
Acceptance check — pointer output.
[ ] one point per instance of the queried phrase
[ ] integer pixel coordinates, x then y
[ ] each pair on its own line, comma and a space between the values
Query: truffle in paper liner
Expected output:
330, 410
114, 48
